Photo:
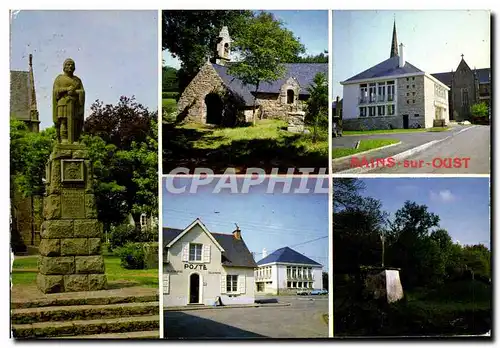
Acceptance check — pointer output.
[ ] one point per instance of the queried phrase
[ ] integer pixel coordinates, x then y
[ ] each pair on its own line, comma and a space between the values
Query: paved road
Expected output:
467, 152
461, 142
302, 319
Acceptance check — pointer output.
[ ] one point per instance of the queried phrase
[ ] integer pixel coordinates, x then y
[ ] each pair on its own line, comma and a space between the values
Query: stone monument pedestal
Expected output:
70, 247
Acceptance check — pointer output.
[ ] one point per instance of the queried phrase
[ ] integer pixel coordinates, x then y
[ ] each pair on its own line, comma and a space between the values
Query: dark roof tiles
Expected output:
236, 253
304, 73
387, 68
287, 255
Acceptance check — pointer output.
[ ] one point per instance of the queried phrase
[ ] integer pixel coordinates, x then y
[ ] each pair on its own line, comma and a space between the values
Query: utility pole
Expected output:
382, 238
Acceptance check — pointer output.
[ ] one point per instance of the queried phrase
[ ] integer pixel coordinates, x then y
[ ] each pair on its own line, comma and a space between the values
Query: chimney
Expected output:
237, 233
401, 56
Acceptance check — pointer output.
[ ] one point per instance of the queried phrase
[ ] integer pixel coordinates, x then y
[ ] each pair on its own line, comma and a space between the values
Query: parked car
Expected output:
303, 292
319, 292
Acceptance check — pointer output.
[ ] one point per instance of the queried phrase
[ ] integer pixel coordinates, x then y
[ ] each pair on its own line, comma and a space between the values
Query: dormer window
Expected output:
195, 251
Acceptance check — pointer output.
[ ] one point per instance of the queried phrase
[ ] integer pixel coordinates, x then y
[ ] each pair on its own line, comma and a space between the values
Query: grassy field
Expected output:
24, 271
456, 308
267, 144
395, 131
364, 145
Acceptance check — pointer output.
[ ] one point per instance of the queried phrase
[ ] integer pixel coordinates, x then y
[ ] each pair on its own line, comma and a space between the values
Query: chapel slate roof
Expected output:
387, 68
236, 253
483, 76
303, 72
287, 255
20, 95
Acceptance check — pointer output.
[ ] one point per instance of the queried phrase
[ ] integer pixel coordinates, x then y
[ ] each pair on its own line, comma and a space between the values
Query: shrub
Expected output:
121, 234
131, 255
169, 95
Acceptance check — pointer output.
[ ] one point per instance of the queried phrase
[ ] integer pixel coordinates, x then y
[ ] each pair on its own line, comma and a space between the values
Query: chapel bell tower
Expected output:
223, 47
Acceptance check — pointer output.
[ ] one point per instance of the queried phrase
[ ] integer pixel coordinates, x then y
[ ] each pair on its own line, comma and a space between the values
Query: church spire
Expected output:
394, 45
32, 96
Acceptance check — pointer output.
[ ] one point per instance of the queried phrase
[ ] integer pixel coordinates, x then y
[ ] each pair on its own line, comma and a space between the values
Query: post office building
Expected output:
201, 267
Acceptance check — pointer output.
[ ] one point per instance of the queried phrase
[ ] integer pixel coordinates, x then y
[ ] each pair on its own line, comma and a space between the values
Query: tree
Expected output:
479, 110
119, 124
317, 104
318, 58
122, 141
191, 36
410, 245
346, 193
169, 79
29, 153
263, 48
356, 236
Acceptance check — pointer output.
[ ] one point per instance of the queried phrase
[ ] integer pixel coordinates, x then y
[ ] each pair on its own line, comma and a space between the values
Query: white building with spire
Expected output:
394, 94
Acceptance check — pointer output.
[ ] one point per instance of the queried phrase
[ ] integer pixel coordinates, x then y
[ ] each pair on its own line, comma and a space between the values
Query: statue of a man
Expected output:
68, 104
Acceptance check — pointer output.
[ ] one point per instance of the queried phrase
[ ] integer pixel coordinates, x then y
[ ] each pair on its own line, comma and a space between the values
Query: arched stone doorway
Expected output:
290, 96
194, 288
215, 108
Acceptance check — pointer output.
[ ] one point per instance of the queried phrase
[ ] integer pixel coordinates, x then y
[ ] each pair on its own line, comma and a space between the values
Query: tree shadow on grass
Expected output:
282, 153
181, 325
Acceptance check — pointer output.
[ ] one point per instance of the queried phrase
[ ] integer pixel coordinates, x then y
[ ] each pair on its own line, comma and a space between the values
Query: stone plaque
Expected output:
73, 204
72, 170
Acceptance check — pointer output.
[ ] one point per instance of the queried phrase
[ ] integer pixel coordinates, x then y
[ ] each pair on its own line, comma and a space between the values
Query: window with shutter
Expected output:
232, 284
223, 283
195, 251
206, 253
185, 252
241, 284
166, 283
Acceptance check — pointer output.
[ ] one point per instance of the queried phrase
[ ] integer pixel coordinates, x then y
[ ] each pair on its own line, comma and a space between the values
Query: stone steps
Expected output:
123, 335
74, 300
83, 312
65, 329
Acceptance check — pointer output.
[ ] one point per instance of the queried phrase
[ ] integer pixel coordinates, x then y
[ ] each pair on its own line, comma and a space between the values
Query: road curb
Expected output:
200, 308
361, 153
402, 155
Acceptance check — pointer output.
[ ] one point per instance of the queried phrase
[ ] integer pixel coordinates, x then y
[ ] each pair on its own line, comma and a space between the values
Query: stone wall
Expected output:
411, 100
71, 235
372, 122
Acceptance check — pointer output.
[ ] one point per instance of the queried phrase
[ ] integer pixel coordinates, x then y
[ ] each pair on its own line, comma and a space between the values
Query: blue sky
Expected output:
434, 40
461, 203
267, 220
310, 26
115, 53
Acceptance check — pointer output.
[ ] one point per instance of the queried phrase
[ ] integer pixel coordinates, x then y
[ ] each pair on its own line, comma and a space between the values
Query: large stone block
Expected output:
52, 207
90, 207
76, 282
50, 247
50, 283
57, 229
94, 246
74, 246
89, 264
88, 228
97, 282
56, 265
80, 154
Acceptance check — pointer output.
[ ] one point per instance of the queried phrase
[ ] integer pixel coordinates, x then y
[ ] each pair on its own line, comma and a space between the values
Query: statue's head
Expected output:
69, 66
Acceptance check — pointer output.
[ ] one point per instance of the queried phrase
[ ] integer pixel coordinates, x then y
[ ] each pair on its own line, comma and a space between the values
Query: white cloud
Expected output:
444, 196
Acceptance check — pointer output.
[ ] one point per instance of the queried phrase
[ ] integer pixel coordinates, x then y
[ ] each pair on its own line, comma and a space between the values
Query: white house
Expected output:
285, 271
394, 94
200, 267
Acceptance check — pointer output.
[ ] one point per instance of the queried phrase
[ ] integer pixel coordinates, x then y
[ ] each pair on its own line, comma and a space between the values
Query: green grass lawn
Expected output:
395, 131
455, 308
364, 145
24, 271
267, 144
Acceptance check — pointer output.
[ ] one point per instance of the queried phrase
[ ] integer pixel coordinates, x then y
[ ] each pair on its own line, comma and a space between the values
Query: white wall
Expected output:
211, 274
430, 110
318, 278
350, 101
